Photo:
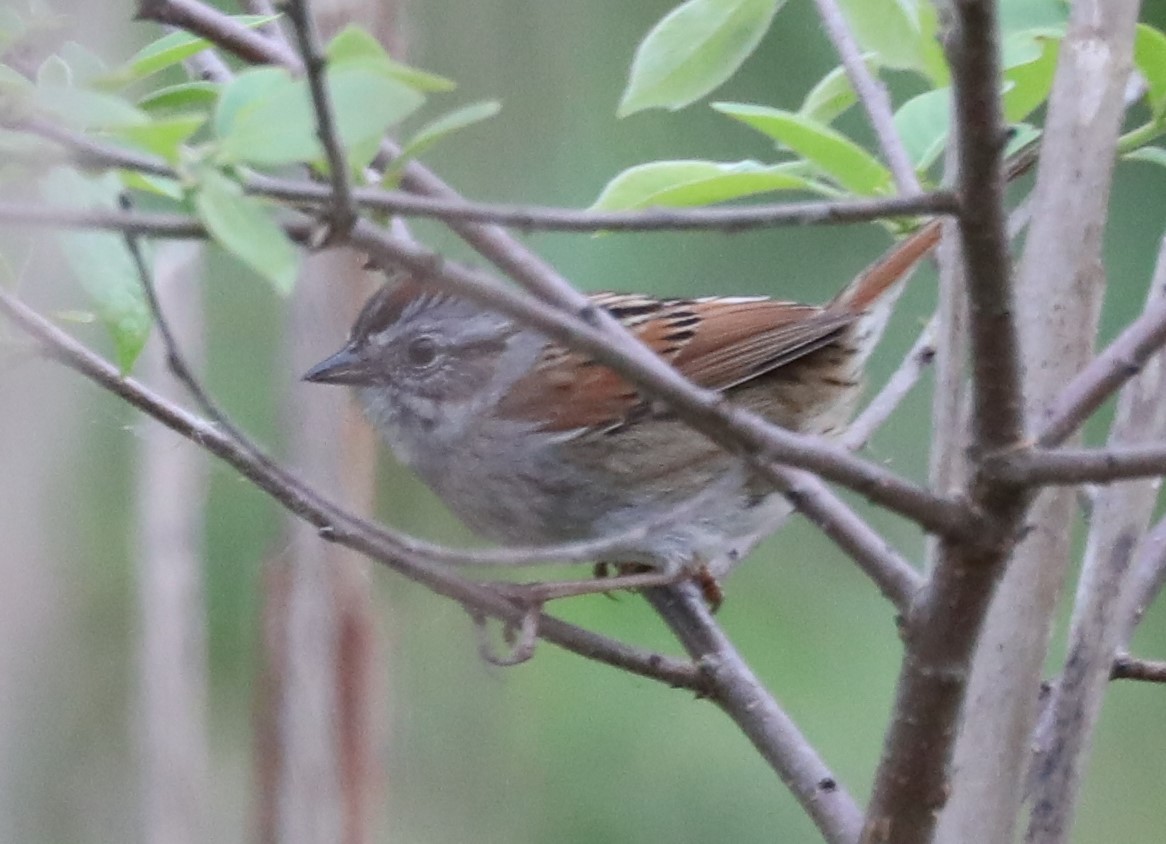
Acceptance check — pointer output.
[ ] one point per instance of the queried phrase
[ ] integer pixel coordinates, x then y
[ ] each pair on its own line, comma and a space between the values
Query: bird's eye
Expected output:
421, 351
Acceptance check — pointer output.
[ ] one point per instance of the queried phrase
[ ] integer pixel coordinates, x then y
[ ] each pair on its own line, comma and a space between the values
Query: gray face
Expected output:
426, 363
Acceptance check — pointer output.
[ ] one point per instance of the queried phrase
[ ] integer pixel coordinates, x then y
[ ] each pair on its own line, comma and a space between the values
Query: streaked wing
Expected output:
717, 342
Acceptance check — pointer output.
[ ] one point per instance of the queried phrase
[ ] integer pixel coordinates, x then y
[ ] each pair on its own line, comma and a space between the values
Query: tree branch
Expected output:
736, 690
334, 523
1127, 667
1068, 466
911, 782
1059, 286
873, 96
1104, 375
343, 212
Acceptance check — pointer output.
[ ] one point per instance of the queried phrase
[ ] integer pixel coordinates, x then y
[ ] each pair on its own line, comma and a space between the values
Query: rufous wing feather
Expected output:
717, 342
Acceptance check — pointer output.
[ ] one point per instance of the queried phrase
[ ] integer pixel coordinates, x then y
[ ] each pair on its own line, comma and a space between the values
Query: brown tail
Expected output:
874, 281
880, 276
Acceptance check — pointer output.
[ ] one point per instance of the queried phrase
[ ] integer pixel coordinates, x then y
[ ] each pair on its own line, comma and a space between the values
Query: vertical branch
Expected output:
343, 213
872, 94
1121, 514
911, 784
1059, 289
171, 493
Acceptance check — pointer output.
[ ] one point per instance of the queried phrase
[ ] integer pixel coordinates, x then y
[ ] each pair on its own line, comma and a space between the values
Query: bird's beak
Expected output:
347, 366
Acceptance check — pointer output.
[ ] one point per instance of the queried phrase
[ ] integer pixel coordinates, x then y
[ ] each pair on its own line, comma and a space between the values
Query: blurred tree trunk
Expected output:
323, 696
172, 663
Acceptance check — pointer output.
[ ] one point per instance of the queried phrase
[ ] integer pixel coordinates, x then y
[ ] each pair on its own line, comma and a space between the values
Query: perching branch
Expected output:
332, 522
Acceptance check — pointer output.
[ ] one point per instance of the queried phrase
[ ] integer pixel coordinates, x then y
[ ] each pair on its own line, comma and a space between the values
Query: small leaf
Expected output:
101, 261
687, 183
1027, 83
170, 50
1152, 155
163, 136
269, 119
352, 42
54, 71
447, 124
80, 108
692, 50
923, 123
1150, 57
243, 225
833, 94
186, 96
902, 33
246, 91
157, 185
85, 65
844, 161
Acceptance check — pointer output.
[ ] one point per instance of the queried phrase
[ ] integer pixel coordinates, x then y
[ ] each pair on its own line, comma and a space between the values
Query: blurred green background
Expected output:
558, 749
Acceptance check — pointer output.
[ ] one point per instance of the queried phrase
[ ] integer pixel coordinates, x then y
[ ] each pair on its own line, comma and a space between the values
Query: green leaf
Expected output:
923, 123
186, 96
54, 71
267, 118
352, 42
1019, 15
85, 65
246, 91
157, 185
163, 136
692, 50
1153, 155
844, 161
903, 34
243, 225
80, 108
447, 124
1029, 80
1150, 57
101, 261
687, 183
170, 50
833, 94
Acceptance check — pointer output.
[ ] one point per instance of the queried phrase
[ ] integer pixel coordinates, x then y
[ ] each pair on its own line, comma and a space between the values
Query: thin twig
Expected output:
89, 152
1147, 578
736, 689
1127, 667
220, 29
873, 96
175, 360
333, 522
896, 579
1104, 375
729, 220
898, 386
343, 212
